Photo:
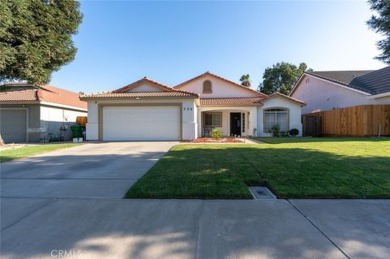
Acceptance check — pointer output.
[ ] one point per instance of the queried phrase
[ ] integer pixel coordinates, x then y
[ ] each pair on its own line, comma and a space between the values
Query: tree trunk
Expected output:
1, 141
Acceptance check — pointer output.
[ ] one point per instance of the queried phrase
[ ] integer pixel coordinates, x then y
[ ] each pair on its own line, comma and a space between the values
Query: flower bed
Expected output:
220, 140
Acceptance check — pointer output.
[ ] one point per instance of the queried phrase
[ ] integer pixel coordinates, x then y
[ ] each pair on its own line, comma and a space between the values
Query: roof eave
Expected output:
19, 102
377, 96
296, 85
232, 105
87, 98
291, 99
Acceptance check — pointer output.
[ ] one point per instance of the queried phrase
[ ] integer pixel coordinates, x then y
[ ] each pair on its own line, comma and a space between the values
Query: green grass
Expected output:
291, 167
22, 152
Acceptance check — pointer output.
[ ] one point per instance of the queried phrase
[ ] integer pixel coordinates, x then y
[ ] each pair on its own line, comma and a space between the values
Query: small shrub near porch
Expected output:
216, 133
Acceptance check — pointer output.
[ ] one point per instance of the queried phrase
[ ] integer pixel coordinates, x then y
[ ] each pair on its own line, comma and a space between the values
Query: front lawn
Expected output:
31, 150
292, 168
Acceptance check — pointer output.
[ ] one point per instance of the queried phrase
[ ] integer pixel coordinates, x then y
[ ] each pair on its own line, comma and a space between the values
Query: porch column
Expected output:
200, 123
253, 122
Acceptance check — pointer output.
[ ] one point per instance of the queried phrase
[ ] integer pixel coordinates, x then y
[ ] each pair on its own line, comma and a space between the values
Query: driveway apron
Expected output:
94, 170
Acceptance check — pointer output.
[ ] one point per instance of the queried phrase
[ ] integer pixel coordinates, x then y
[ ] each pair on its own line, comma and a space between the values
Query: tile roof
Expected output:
246, 101
375, 82
142, 81
18, 96
22, 92
123, 92
223, 79
139, 95
341, 77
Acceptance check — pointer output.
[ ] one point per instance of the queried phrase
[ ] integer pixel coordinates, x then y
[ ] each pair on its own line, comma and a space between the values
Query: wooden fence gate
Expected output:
311, 126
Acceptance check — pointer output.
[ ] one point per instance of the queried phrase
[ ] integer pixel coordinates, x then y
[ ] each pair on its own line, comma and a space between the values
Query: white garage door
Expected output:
13, 125
141, 123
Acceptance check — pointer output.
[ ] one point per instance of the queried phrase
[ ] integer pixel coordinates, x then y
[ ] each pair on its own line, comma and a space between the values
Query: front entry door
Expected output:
235, 123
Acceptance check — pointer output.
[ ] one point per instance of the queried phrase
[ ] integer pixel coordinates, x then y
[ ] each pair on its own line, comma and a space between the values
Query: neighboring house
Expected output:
31, 113
148, 110
328, 90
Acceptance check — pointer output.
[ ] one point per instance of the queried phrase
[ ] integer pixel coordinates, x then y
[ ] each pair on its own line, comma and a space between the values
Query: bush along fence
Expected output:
357, 121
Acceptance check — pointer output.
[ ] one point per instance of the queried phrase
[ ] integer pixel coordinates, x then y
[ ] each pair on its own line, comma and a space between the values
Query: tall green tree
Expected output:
245, 80
281, 77
36, 38
381, 24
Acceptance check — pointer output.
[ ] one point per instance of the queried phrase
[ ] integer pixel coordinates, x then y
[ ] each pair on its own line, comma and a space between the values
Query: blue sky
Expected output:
120, 42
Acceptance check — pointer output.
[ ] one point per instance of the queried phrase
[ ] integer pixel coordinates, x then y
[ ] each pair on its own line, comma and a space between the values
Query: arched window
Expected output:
274, 116
207, 87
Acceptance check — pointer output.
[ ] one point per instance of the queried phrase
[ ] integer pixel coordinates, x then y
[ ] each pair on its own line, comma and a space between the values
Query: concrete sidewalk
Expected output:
114, 228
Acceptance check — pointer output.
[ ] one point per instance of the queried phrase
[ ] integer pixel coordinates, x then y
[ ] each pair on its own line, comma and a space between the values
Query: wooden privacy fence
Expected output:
359, 121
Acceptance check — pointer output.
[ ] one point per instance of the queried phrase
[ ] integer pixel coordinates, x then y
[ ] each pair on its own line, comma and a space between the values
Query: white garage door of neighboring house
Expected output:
141, 123
13, 125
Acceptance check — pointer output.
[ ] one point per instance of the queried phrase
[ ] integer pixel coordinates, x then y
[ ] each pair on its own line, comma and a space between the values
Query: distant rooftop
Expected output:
24, 92
369, 81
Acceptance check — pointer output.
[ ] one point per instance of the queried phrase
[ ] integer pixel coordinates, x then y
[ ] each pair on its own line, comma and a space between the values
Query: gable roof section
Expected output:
223, 79
124, 92
245, 101
140, 82
138, 95
368, 81
275, 95
22, 92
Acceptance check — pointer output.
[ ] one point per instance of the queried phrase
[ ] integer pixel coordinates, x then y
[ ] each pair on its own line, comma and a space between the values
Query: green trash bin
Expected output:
77, 131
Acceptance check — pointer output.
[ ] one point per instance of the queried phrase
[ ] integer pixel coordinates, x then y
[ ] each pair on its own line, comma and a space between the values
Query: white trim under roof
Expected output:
378, 96
64, 106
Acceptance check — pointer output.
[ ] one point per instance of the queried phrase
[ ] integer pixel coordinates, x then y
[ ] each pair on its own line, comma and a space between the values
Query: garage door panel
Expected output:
141, 123
13, 125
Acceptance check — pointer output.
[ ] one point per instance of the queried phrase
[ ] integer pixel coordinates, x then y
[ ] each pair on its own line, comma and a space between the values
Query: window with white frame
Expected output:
213, 119
276, 116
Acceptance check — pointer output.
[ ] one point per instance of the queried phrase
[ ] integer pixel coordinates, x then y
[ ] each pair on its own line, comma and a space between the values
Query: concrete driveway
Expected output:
95, 170
63, 208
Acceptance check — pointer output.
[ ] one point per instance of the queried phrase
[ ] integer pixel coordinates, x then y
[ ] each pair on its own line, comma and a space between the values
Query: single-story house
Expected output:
148, 110
329, 90
32, 113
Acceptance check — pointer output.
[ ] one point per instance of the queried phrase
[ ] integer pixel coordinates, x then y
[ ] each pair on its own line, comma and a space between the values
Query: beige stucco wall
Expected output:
294, 110
323, 95
146, 88
220, 88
